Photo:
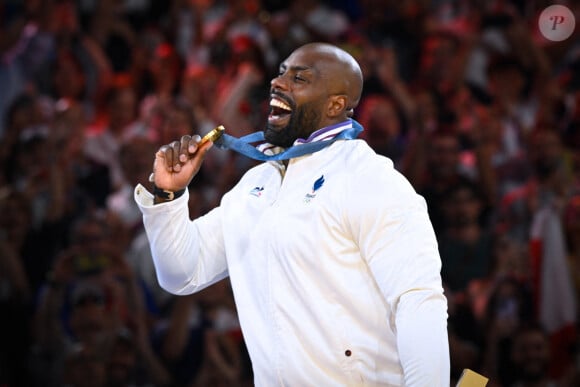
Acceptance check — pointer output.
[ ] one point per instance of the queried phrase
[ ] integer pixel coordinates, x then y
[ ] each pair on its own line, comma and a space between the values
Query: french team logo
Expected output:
257, 191
315, 187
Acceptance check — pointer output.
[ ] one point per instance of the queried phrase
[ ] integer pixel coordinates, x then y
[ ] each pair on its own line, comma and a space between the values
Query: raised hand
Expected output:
178, 162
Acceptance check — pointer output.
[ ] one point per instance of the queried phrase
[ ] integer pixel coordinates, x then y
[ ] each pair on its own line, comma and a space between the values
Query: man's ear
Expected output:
336, 105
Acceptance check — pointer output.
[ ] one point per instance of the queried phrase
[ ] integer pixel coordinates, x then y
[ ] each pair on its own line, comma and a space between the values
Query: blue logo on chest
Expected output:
257, 191
315, 187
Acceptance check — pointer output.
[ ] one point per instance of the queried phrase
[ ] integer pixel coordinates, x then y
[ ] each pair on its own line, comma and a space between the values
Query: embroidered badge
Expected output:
315, 187
257, 191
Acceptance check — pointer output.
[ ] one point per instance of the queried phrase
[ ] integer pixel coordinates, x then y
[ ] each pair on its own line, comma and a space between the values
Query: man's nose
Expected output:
278, 83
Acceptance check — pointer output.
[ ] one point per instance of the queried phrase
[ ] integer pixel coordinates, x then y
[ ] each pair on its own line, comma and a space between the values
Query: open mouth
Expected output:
279, 111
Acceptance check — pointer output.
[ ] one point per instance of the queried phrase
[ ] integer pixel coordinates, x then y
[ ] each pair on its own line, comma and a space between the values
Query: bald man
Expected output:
331, 256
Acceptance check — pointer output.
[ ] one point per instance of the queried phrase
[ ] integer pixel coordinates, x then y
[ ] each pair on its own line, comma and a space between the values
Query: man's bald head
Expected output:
341, 71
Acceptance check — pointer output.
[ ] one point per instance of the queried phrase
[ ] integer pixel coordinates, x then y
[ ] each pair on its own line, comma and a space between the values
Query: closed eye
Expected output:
300, 74
296, 77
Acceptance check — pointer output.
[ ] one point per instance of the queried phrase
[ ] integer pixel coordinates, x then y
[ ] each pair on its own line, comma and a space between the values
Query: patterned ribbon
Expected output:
318, 140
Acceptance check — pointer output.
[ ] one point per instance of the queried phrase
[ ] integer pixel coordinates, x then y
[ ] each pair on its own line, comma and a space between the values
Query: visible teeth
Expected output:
279, 104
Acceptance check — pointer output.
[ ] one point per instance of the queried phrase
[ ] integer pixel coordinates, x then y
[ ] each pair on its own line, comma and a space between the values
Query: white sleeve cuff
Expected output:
145, 199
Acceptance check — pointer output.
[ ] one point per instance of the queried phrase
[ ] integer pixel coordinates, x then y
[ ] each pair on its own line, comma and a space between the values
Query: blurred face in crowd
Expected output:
68, 77
462, 207
488, 124
89, 319
178, 122
531, 353
443, 155
545, 152
165, 67
122, 108
64, 18
512, 256
438, 60
199, 86
379, 118
90, 233
426, 108
318, 85
68, 127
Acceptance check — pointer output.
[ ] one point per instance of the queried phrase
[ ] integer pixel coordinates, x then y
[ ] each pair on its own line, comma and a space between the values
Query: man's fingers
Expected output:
165, 153
193, 143
183, 154
176, 154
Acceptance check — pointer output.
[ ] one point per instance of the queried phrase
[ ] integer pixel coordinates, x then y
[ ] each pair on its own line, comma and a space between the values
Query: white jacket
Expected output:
334, 268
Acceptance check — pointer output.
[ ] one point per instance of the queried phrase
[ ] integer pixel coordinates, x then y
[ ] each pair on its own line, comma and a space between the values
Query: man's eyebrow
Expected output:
296, 68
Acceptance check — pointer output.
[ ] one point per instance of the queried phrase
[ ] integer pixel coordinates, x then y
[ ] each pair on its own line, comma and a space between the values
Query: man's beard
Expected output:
303, 122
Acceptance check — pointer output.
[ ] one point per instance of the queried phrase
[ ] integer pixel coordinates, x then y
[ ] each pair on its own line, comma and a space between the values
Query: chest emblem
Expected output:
315, 187
257, 191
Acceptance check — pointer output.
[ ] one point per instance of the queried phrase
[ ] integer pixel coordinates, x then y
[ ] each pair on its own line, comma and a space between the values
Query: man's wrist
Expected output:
162, 195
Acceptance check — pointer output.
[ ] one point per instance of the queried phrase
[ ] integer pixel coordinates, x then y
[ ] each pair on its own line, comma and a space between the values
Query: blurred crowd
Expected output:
474, 106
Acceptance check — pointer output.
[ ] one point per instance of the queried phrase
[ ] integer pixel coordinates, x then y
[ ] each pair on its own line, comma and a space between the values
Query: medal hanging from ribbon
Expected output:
243, 145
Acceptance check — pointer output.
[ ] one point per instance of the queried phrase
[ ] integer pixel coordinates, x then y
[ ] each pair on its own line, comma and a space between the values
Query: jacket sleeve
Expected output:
188, 255
391, 226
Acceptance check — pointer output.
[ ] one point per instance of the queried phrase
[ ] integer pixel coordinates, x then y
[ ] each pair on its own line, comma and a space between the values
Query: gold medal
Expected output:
213, 135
